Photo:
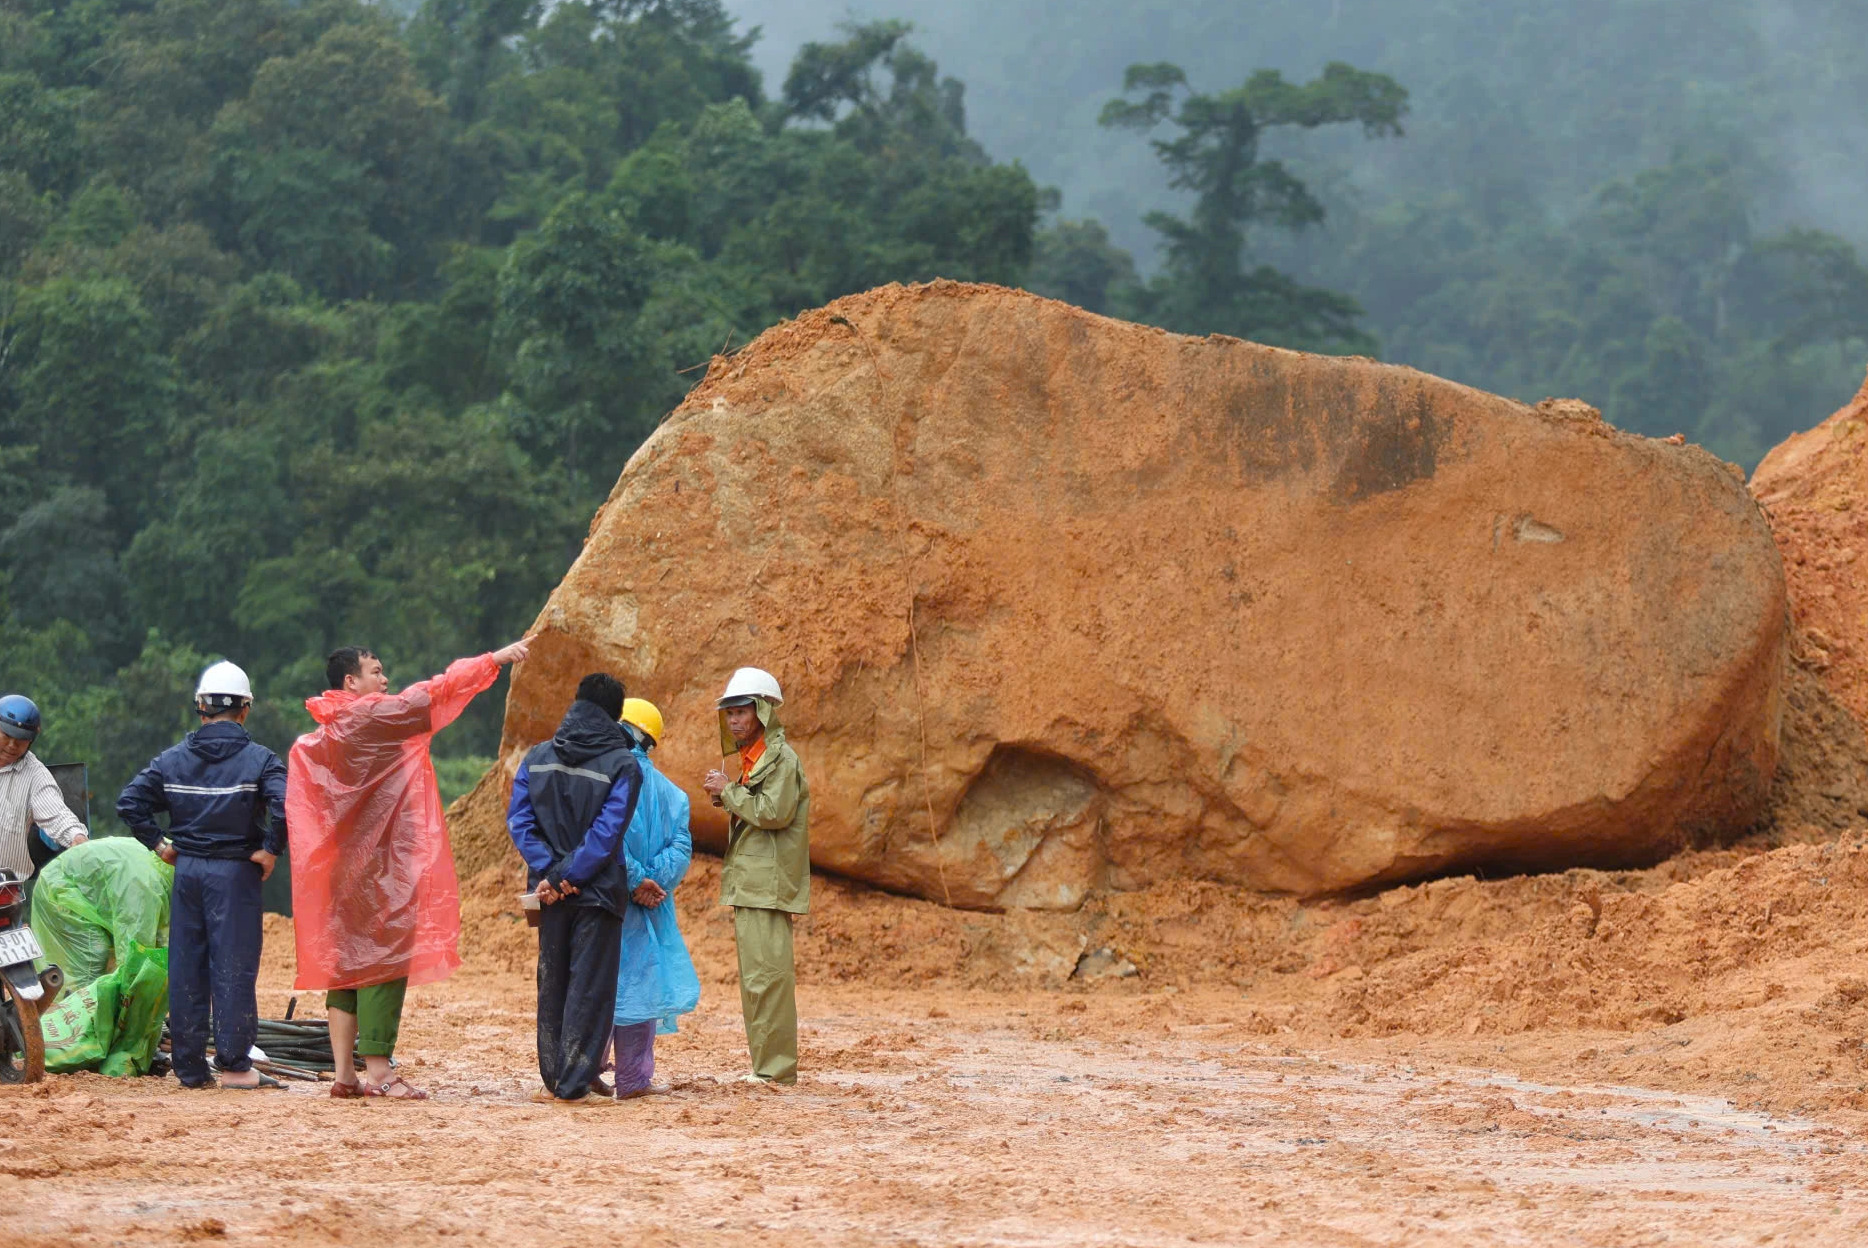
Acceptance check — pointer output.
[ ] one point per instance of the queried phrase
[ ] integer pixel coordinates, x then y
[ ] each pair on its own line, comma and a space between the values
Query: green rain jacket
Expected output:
98, 901
768, 849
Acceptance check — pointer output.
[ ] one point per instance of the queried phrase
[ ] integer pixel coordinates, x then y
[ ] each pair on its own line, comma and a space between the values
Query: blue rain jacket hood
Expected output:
224, 793
656, 981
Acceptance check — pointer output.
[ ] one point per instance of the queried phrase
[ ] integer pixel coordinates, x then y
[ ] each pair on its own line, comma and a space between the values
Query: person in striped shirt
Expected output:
29, 796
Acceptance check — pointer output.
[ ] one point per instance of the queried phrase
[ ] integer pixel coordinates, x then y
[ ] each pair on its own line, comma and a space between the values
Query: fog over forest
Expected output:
1583, 91
1521, 115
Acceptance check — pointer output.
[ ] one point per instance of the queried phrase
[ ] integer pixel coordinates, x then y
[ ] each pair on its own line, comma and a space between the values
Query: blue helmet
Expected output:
19, 718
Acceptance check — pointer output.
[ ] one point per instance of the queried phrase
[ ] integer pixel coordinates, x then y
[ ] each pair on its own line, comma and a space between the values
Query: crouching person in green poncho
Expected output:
101, 912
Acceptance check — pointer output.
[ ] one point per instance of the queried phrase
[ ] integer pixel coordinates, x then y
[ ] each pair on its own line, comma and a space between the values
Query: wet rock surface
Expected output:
1063, 604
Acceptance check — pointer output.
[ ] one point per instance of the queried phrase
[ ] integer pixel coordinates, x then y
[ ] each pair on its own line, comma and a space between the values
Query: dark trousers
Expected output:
579, 952
214, 944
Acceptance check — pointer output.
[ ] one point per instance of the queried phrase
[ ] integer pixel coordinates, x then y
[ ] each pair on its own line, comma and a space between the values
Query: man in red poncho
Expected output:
375, 903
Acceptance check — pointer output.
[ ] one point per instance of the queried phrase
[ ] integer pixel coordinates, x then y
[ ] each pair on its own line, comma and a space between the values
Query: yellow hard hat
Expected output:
642, 713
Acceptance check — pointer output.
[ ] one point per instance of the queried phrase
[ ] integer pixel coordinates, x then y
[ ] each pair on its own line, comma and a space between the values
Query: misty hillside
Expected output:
1552, 99
1476, 243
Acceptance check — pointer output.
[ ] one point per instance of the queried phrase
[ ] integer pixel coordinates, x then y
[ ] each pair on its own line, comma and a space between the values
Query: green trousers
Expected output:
768, 991
379, 1014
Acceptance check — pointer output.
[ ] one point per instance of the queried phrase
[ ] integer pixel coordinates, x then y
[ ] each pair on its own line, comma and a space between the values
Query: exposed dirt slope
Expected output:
1814, 487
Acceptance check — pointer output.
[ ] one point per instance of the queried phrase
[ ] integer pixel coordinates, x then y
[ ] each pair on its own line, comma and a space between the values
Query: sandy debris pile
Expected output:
1821, 787
1295, 622
1585, 948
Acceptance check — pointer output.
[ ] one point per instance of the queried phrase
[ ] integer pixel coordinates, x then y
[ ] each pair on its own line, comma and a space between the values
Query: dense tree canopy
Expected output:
319, 326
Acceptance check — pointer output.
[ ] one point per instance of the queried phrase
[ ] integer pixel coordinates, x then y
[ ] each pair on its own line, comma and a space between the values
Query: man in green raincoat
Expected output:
766, 877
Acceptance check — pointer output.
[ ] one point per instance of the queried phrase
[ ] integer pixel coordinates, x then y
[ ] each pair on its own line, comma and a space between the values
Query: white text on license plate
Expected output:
19, 945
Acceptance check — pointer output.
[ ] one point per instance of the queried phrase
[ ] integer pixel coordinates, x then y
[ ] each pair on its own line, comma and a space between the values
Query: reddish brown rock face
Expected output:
1815, 487
1112, 605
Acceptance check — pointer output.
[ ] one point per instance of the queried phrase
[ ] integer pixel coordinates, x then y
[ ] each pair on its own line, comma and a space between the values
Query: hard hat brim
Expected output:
738, 699
19, 732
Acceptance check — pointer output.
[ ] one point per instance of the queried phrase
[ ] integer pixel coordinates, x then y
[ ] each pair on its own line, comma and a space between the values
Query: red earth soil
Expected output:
1605, 1057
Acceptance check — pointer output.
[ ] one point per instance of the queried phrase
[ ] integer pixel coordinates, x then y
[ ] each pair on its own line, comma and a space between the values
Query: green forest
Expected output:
322, 326
325, 322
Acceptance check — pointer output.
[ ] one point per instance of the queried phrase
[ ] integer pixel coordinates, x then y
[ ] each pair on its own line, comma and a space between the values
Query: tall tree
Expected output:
1205, 286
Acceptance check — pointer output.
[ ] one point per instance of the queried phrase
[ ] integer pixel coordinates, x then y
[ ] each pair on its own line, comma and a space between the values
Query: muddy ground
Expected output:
943, 1118
1671, 1056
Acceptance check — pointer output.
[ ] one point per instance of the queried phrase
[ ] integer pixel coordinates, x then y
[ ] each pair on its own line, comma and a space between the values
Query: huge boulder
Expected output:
1062, 603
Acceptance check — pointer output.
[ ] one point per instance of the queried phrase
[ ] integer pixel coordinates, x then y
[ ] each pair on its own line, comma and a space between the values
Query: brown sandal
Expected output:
410, 1091
347, 1091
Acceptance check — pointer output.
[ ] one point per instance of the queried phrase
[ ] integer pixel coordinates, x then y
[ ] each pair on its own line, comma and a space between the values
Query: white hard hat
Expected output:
225, 679
749, 683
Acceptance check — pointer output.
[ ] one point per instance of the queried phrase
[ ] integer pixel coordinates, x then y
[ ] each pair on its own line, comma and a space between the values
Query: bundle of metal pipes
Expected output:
297, 1049
294, 1048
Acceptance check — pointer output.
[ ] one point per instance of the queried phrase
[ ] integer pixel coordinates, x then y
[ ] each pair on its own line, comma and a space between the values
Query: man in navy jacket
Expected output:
218, 786
571, 803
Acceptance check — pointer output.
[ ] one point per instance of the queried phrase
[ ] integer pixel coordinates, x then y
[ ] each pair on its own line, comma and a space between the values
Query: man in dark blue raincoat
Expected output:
225, 797
571, 804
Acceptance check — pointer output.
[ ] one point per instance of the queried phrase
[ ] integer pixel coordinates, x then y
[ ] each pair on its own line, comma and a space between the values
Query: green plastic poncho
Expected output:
101, 911
98, 901
112, 1025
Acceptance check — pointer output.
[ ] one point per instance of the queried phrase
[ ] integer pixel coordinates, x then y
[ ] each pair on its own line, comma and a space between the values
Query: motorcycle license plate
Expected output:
19, 945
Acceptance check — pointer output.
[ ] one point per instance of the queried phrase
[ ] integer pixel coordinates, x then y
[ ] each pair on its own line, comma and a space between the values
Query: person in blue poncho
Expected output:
657, 983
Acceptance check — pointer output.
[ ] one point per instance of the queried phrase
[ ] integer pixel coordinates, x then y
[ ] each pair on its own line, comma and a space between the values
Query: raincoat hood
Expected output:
587, 731
328, 705
768, 717
217, 742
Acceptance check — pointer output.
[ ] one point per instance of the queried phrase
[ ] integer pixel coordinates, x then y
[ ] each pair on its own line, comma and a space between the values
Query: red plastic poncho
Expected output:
374, 896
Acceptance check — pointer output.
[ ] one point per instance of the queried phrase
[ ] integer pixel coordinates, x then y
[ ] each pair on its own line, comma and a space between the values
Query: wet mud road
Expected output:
927, 1118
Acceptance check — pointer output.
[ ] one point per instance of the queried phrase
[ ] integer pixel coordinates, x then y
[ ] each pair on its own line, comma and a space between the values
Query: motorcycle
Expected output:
23, 991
